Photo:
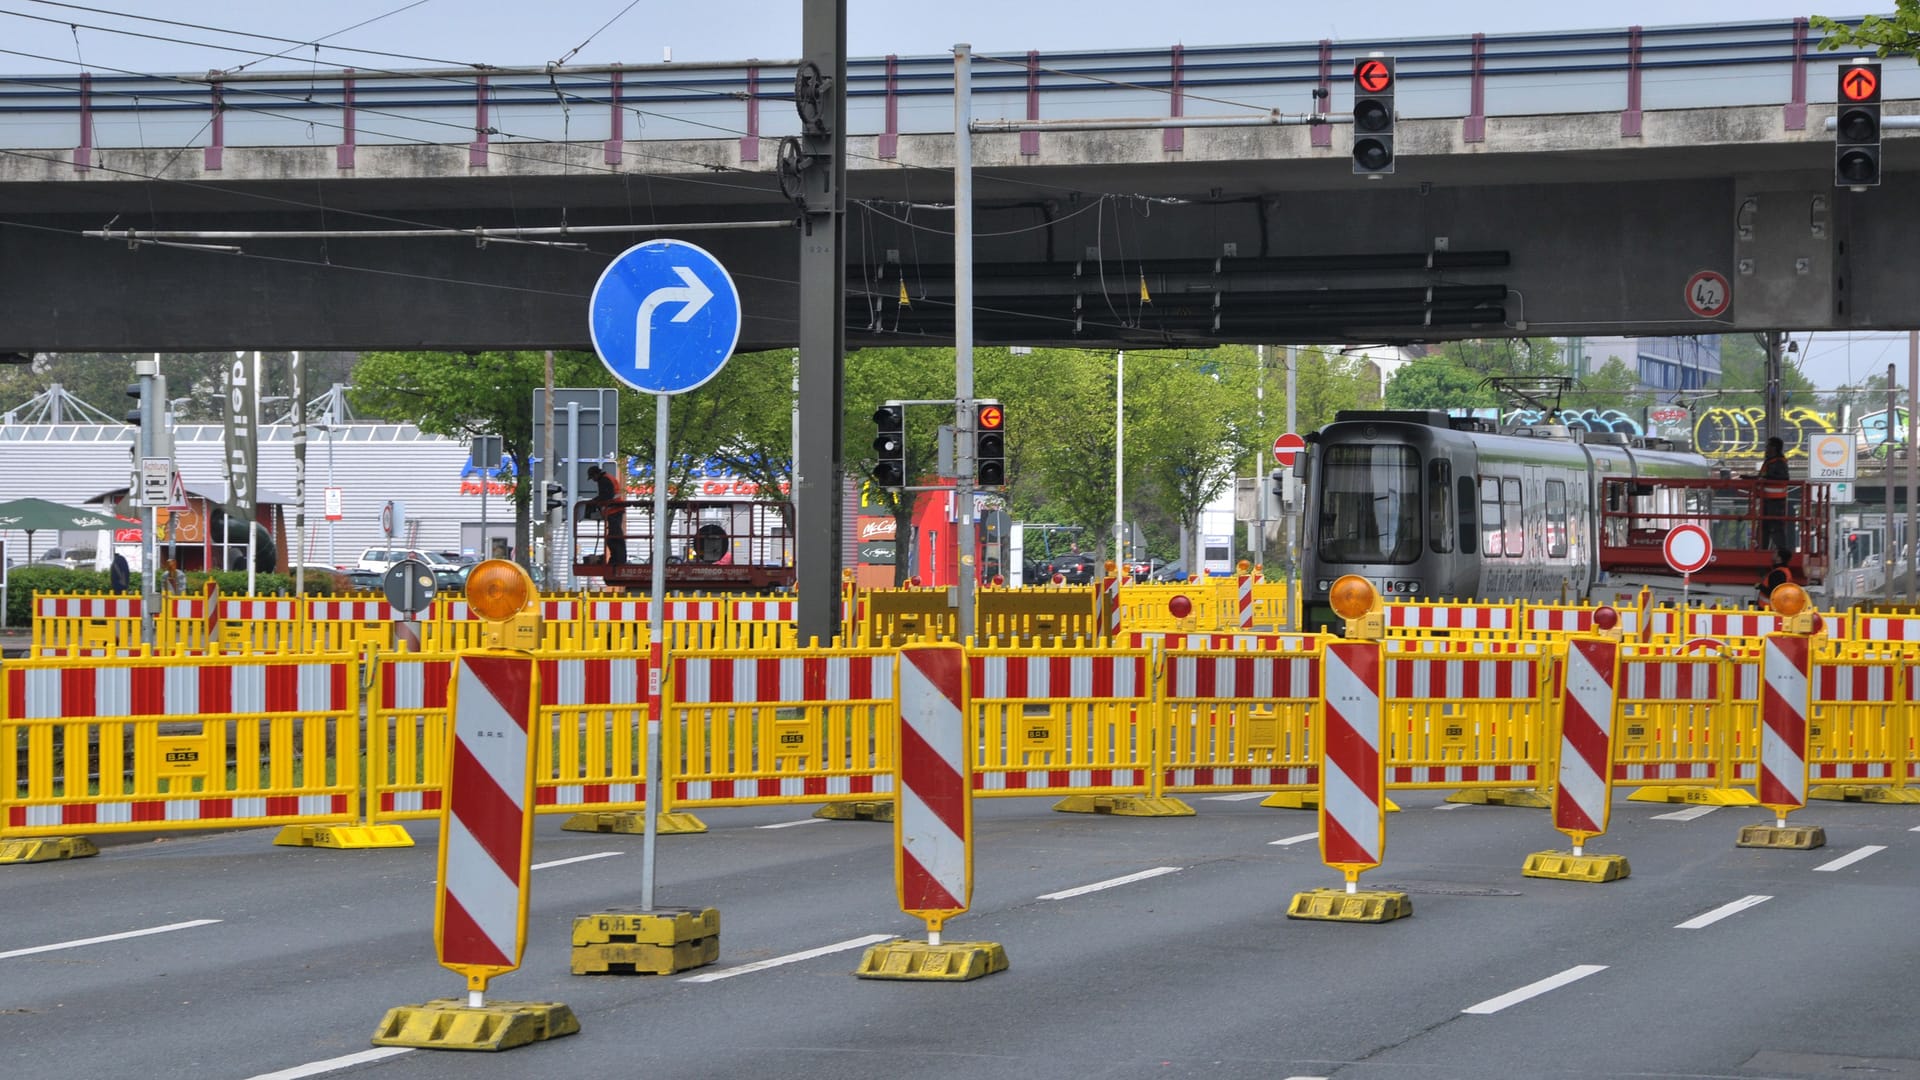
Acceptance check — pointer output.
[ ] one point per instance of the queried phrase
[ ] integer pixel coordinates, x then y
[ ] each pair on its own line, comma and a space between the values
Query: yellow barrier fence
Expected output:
794, 726
1238, 722
624, 625
1478, 724
1455, 621
1673, 715
137, 745
71, 621
1860, 740
1065, 722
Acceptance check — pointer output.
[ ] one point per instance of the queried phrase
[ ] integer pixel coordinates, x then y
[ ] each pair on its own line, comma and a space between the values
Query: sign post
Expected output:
664, 317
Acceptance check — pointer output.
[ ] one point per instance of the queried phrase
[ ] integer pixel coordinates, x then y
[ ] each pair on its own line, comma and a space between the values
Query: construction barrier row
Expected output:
136, 744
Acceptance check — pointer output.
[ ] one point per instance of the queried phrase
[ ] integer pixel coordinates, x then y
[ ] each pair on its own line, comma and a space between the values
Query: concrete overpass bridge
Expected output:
1547, 184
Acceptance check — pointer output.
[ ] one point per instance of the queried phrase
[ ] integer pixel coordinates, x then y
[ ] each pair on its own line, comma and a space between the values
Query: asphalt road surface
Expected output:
218, 955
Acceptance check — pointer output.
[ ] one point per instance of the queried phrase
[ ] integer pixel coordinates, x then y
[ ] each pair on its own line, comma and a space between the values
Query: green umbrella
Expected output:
32, 515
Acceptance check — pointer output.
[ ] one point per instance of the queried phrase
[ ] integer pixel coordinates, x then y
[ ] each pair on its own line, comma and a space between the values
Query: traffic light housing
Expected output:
1856, 136
556, 496
890, 445
990, 444
134, 415
1373, 81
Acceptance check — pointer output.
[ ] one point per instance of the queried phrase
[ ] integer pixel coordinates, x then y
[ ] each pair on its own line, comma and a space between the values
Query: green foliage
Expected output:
24, 583
1437, 382
1191, 429
234, 583
1887, 35
1743, 375
1611, 387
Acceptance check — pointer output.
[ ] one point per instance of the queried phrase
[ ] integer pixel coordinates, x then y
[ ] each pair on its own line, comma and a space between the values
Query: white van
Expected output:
380, 560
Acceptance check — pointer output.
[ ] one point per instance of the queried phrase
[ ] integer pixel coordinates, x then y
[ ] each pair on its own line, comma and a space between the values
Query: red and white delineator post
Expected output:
933, 820
1583, 792
486, 821
1246, 601
1784, 703
1112, 593
1353, 773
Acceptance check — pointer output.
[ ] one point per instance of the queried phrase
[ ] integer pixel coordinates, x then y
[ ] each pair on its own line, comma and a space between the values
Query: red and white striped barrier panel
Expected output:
349, 611
486, 827
1246, 602
1448, 617
1783, 724
1726, 624
761, 610
187, 689
1882, 628
410, 685
1353, 818
1503, 678
933, 828
62, 607
1030, 677
1853, 683
1473, 645
1216, 642
1213, 677
1560, 620
1113, 607
1584, 794
639, 611
1836, 687
259, 610
721, 680
1670, 681
619, 680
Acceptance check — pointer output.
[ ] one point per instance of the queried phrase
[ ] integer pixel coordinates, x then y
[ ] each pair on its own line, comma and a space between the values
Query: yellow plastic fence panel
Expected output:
1440, 646
138, 745
1066, 722
359, 623
407, 766
1270, 601
77, 621
1466, 723
451, 625
1891, 635
1234, 721
1460, 621
1146, 607
691, 624
898, 616
1196, 642
1672, 717
796, 726
593, 714
1035, 617
1860, 731
756, 625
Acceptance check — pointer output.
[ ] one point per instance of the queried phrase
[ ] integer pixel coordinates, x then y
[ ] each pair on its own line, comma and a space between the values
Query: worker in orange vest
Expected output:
1775, 486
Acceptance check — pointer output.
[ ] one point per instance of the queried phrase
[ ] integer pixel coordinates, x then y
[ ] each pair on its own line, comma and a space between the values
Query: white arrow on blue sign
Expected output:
665, 316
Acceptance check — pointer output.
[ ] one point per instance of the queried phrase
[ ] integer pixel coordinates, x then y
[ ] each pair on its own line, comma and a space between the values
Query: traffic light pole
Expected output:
149, 371
963, 425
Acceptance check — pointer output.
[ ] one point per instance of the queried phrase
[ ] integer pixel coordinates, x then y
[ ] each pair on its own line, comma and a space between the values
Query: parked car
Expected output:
380, 560
1173, 571
365, 580
1145, 571
1076, 569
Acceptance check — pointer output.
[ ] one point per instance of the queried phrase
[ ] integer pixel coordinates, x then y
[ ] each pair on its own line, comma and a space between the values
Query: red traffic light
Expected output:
992, 417
1373, 75
1860, 83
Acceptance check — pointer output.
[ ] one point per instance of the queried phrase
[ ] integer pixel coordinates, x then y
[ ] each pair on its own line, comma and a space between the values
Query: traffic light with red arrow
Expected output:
1856, 143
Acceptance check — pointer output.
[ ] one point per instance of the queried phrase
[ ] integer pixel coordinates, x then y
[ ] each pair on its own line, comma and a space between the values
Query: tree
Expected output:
1439, 382
1190, 434
875, 376
1743, 375
1887, 35
1611, 387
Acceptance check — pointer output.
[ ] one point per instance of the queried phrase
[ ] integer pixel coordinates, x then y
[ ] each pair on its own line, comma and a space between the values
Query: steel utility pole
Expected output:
1886, 534
1913, 479
1773, 384
822, 103
963, 329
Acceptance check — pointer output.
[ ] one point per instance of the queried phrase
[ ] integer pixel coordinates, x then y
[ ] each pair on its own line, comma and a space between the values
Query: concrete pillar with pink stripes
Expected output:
933, 820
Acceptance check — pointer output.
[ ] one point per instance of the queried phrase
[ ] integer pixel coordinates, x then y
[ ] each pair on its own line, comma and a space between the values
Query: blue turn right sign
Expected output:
665, 316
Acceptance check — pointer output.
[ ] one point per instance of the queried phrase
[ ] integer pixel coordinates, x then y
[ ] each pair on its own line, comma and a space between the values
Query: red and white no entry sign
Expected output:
1285, 447
1688, 548
1708, 294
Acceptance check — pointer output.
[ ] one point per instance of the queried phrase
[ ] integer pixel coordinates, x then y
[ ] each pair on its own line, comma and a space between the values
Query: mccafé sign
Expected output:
876, 528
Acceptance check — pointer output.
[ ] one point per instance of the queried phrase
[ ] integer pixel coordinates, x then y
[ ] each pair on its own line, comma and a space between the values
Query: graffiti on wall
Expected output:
1578, 420
1723, 431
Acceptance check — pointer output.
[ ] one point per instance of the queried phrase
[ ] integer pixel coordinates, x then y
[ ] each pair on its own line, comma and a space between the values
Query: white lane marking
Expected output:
1852, 857
577, 858
1535, 989
1452, 806
791, 824
1721, 912
55, 947
1238, 796
790, 958
1111, 883
1916, 828
1301, 839
1688, 814
348, 1061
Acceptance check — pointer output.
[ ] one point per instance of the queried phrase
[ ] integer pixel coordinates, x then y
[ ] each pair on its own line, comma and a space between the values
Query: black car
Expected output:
1074, 569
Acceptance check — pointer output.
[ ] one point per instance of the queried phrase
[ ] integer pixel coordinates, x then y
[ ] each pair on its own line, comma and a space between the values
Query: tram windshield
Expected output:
1369, 504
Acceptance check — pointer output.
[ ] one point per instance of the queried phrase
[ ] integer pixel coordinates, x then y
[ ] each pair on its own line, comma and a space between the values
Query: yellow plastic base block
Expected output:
1339, 905
1791, 837
634, 822
46, 849
1566, 866
1124, 806
645, 943
955, 961
450, 1024
1864, 793
634, 958
344, 837
1306, 800
856, 811
1699, 796
1523, 797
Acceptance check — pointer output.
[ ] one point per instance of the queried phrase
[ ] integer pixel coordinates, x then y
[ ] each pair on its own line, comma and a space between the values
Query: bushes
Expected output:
24, 583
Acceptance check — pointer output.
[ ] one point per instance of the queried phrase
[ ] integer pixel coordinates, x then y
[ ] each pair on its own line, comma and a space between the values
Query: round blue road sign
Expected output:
664, 316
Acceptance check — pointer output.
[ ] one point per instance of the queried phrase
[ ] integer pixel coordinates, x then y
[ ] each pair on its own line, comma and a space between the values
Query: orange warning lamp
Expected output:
1795, 609
503, 595
1356, 600
1606, 621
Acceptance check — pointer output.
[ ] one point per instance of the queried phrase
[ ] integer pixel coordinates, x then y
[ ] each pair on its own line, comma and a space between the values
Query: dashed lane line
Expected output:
347, 1061
1534, 989
1851, 857
577, 858
1708, 918
1291, 840
102, 939
1452, 806
1238, 796
1110, 883
791, 824
1689, 814
790, 958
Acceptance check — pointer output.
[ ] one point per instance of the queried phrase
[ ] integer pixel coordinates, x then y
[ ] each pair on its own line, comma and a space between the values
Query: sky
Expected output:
38, 36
